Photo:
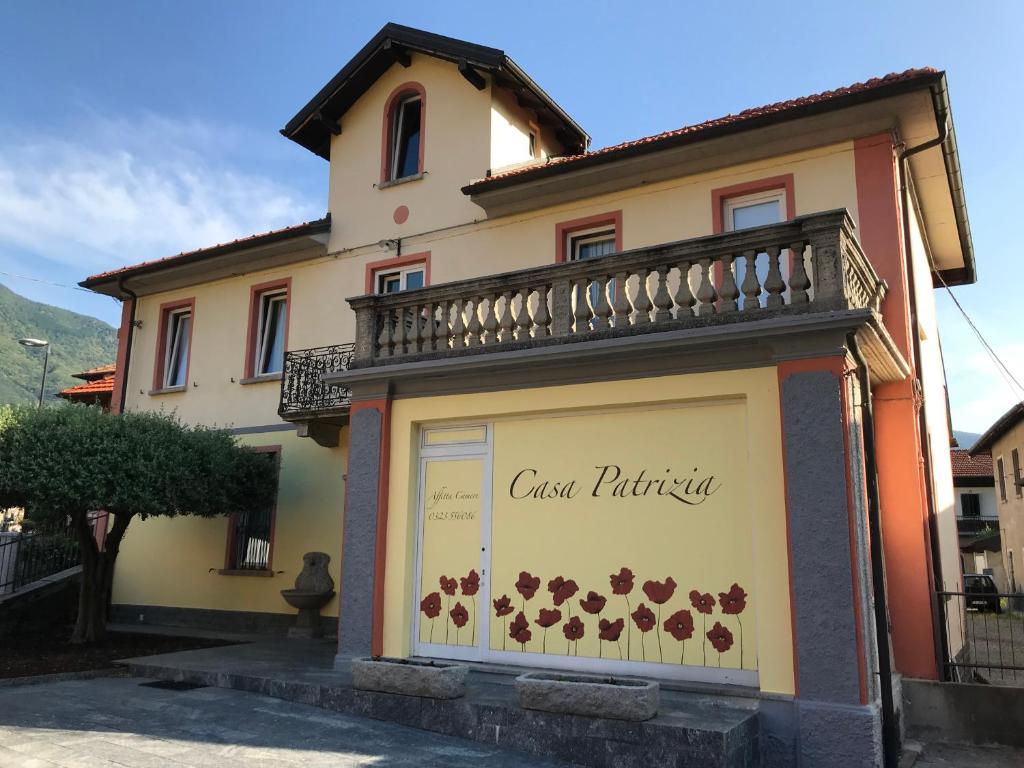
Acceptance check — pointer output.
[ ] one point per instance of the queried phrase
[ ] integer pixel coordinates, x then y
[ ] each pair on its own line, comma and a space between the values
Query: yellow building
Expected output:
595, 410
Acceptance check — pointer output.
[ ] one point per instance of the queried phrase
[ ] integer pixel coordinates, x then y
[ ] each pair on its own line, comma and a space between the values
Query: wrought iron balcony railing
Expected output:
303, 390
976, 525
810, 264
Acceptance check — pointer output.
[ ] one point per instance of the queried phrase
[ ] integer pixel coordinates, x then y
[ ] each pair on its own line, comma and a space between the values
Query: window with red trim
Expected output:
174, 344
251, 533
268, 329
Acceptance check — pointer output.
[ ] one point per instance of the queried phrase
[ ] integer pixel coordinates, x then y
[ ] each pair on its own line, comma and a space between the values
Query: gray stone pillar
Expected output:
836, 718
359, 531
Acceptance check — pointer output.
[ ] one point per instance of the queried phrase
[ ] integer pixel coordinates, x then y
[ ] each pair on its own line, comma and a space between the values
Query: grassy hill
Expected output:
78, 342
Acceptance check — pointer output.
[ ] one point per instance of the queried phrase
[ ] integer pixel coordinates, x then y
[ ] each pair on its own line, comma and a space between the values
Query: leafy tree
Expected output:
62, 462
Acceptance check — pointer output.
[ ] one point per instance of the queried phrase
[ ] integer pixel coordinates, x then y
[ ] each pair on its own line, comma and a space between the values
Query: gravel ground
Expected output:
997, 639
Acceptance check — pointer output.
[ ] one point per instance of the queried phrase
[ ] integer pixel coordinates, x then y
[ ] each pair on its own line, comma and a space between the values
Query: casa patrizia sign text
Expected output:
691, 488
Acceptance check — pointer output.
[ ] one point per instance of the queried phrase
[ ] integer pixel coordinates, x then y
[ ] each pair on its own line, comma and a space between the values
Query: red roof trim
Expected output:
100, 386
693, 132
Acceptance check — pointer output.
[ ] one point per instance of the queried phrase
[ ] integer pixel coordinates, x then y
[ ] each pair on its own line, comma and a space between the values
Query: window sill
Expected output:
403, 180
169, 390
261, 378
261, 572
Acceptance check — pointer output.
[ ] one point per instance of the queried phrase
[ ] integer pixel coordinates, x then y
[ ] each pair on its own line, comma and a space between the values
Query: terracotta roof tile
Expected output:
97, 387
965, 465
745, 115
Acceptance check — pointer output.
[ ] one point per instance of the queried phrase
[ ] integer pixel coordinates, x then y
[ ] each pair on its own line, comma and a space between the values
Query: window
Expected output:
756, 210
590, 245
401, 280
175, 334
251, 533
1015, 458
270, 332
970, 505
1002, 479
405, 137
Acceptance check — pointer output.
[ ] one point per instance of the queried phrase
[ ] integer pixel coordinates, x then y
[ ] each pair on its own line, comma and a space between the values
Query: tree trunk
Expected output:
97, 578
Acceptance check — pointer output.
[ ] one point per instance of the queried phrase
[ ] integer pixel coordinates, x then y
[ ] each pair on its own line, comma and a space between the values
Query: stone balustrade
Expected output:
810, 264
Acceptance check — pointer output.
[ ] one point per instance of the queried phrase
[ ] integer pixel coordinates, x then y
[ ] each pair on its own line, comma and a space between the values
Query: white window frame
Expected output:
172, 345
266, 299
731, 204
581, 237
396, 135
402, 274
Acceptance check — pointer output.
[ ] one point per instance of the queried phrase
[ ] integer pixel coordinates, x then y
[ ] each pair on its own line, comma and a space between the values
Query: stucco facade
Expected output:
821, 427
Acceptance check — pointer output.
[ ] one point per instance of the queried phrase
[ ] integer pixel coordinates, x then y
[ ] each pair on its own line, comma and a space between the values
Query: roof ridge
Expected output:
746, 114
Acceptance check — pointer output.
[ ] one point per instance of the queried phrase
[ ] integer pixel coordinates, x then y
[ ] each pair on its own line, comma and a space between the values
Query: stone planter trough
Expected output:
430, 679
617, 698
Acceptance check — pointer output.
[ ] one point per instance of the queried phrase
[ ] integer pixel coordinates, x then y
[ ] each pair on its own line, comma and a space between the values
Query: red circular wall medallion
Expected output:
401, 214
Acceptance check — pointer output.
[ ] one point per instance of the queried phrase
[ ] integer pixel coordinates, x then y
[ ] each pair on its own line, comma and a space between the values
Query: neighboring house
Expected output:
977, 515
97, 389
625, 385
1004, 440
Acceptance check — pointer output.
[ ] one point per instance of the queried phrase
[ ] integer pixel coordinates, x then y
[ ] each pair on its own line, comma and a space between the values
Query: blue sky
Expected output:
130, 131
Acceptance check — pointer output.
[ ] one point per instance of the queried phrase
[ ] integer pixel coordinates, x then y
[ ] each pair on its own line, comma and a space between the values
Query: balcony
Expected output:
799, 276
319, 408
976, 526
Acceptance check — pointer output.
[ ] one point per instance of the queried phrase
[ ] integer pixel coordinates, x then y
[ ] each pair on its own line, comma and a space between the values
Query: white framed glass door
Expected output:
453, 543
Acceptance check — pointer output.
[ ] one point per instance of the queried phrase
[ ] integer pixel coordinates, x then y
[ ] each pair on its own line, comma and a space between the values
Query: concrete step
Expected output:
690, 729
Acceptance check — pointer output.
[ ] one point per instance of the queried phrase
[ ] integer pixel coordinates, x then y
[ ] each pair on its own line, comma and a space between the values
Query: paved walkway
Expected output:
118, 722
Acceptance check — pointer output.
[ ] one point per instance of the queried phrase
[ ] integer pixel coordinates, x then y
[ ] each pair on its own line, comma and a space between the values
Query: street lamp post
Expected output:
46, 360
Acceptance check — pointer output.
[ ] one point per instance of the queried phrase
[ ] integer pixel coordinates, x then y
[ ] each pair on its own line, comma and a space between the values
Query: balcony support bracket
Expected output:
324, 434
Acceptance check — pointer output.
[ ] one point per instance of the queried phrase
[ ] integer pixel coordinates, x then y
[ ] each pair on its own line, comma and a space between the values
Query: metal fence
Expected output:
988, 627
28, 557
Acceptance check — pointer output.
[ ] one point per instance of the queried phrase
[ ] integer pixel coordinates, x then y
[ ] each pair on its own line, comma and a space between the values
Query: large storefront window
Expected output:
614, 540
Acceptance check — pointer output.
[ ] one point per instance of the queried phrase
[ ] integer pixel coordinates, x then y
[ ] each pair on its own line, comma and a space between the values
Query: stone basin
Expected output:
410, 677
616, 698
306, 600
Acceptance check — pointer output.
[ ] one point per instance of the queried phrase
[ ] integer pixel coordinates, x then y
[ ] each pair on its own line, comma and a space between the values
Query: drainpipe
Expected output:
890, 727
127, 340
942, 118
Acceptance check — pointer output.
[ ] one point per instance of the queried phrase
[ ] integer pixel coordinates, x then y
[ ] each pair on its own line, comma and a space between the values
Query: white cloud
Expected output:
119, 191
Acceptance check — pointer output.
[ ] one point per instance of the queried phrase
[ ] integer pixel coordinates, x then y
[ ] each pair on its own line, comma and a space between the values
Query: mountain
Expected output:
77, 343
966, 439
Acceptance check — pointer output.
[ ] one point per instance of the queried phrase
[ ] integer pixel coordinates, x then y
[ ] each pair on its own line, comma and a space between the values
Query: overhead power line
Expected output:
1004, 371
45, 282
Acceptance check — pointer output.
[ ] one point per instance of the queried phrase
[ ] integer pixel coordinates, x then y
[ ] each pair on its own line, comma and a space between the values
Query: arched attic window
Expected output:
403, 136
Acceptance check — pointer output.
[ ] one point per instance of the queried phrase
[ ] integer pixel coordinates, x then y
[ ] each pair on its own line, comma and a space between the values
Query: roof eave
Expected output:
112, 284
1003, 424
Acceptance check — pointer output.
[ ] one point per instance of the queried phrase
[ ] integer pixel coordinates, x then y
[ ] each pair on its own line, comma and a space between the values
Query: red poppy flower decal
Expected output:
470, 583
720, 637
431, 605
643, 617
527, 585
680, 625
562, 589
502, 606
548, 618
660, 592
459, 615
610, 630
448, 586
594, 602
702, 601
622, 582
733, 601
519, 629
573, 629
